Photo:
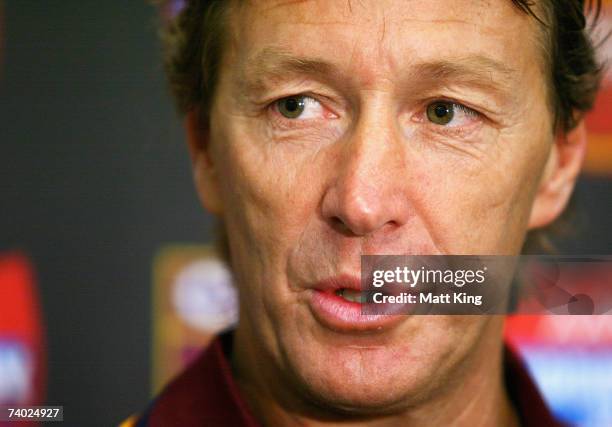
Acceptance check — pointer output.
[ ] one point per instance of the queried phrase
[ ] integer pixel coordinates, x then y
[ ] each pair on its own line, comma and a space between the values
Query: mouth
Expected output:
338, 303
352, 295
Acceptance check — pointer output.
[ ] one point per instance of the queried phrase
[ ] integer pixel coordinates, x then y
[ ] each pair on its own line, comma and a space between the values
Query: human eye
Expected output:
299, 107
450, 114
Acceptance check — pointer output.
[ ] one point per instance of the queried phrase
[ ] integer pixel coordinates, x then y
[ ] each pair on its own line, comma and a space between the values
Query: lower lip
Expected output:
338, 314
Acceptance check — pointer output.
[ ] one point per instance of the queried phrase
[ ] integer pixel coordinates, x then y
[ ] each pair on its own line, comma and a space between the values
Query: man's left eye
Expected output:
299, 107
450, 114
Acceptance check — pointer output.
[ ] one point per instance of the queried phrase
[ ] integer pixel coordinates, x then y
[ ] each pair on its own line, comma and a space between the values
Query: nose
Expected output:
367, 194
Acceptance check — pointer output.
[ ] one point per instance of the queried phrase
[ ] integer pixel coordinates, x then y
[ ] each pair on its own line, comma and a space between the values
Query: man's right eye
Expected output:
291, 107
300, 107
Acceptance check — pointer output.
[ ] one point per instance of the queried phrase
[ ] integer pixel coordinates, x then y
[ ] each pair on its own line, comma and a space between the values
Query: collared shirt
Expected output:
206, 394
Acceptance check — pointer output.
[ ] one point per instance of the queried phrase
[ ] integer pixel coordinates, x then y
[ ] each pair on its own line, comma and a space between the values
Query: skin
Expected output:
364, 171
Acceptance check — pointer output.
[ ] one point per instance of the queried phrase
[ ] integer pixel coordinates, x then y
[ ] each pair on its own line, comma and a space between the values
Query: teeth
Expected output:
351, 295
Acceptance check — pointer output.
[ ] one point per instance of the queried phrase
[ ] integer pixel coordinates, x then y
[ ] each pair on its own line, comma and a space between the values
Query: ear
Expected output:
559, 177
204, 172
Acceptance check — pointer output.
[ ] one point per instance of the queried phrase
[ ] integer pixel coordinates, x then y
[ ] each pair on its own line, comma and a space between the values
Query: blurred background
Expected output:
104, 245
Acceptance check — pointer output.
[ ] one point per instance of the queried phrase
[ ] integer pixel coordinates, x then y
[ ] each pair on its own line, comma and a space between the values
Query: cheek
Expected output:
269, 193
482, 205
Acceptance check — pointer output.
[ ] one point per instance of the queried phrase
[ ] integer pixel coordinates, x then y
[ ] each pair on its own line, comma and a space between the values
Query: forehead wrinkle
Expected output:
274, 64
283, 3
300, 15
443, 21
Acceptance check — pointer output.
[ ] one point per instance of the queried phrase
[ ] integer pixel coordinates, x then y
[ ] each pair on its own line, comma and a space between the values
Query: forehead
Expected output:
384, 37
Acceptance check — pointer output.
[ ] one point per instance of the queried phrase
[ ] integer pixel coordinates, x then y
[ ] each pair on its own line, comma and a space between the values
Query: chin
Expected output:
350, 396
378, 373
356, 381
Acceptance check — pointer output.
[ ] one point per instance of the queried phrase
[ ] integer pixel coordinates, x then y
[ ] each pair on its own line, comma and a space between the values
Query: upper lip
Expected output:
342, 281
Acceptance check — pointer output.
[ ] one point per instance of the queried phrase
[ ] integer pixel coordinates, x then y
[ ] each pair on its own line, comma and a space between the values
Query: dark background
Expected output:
94, 178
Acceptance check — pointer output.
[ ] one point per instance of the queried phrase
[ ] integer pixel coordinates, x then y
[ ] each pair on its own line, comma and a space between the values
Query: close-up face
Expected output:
346, 128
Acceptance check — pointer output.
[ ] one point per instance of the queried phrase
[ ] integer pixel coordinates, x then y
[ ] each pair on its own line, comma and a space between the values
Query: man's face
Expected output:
345, 128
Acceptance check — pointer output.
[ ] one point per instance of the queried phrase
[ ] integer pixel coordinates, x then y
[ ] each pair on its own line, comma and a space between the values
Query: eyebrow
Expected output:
274, 64
475, 70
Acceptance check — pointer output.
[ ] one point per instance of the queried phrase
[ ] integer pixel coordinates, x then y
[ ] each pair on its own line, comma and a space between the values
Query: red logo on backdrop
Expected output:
22, 367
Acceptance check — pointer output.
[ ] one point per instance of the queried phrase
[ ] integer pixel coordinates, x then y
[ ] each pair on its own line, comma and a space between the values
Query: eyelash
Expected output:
455, 104
467, 110
460, 131
286, 123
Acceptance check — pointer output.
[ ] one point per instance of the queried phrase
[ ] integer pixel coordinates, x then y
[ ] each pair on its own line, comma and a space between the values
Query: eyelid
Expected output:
307, 101
421, 114
474, 122
327, 111
461, 105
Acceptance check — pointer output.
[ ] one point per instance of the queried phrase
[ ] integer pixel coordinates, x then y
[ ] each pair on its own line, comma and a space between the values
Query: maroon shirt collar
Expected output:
205, 394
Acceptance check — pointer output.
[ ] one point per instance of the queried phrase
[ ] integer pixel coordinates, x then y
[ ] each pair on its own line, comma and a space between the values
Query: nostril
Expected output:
340, 226
337, 221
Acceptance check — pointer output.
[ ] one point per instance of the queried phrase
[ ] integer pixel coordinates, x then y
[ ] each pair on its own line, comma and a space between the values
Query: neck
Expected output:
474, 397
